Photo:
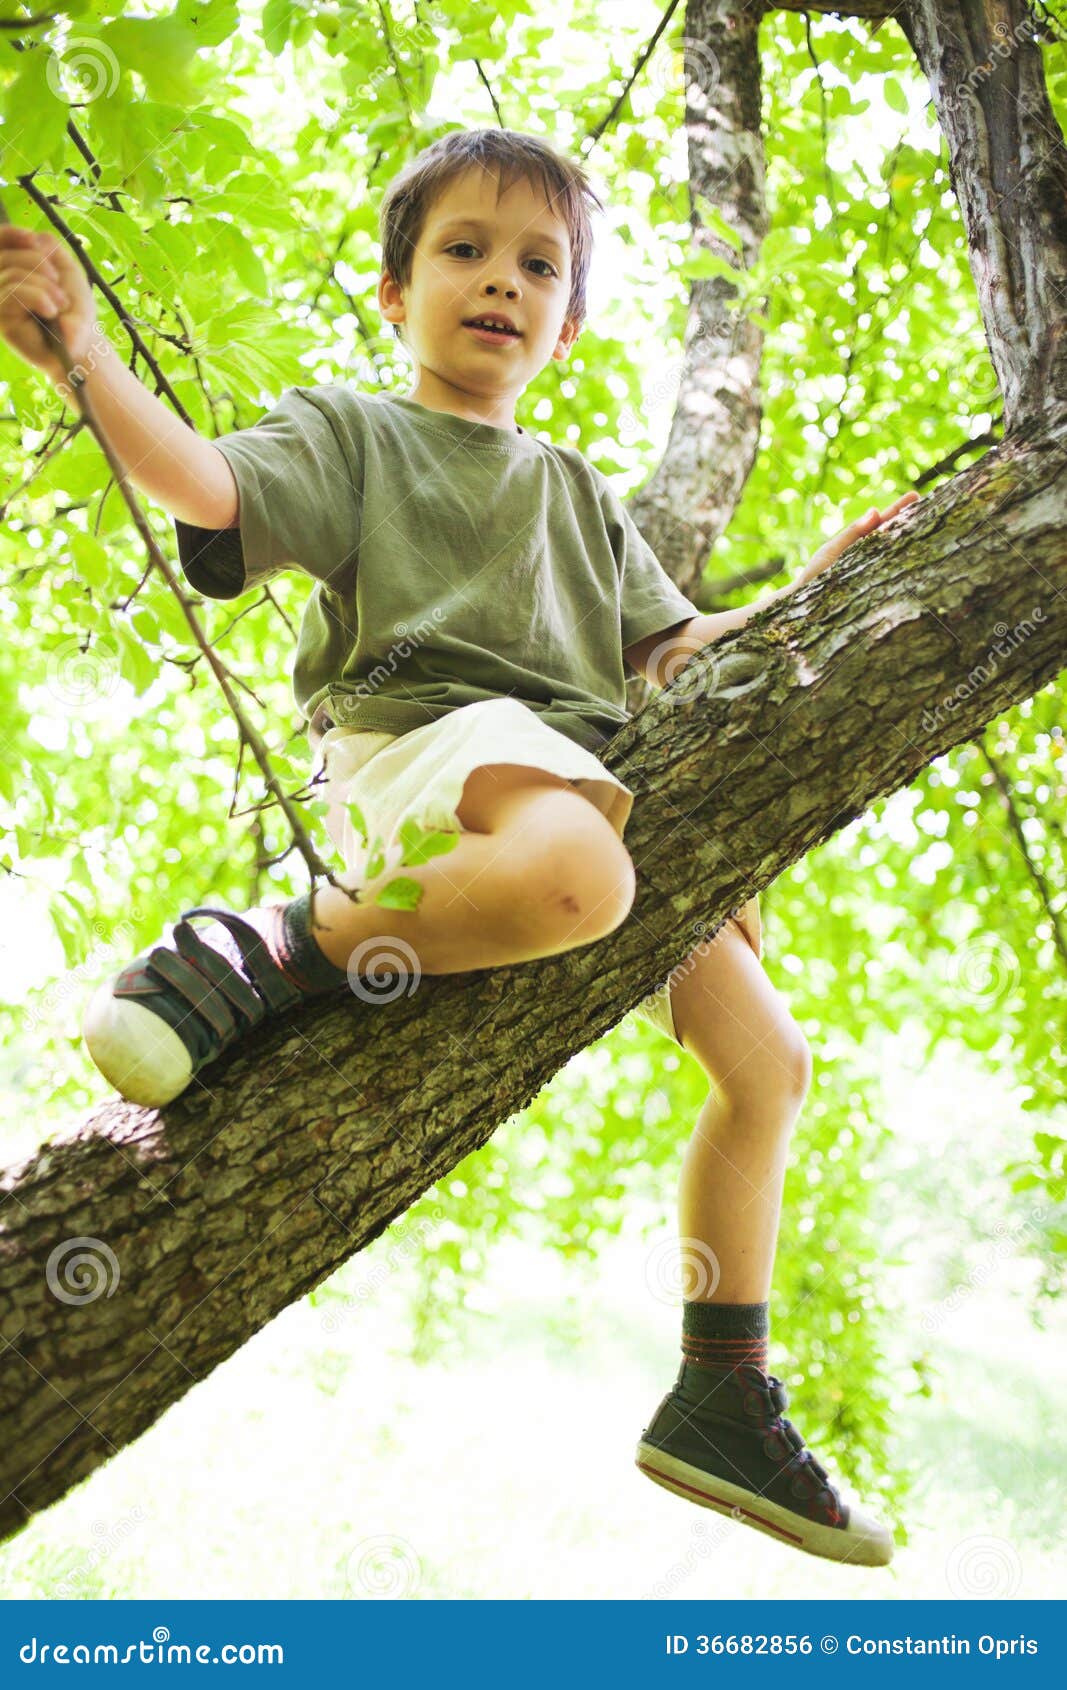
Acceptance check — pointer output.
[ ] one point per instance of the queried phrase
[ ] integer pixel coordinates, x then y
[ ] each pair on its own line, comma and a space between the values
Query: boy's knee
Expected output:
792, 1061
578, 893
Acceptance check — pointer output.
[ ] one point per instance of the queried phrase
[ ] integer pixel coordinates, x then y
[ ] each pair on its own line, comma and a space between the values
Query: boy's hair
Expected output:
511, 155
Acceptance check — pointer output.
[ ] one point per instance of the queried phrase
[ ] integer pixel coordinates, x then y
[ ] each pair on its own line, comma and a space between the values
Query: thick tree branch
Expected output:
209, 1218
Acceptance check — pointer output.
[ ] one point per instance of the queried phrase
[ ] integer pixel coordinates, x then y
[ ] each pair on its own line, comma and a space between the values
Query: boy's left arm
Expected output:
658, 657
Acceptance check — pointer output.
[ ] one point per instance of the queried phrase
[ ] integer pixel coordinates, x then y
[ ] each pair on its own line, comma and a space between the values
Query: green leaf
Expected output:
478, 44
158, 49
212, 21
895, 96
705, 264
71, 925
713, 219
135, 663
402, 893
91, 559
235, 252
35, 116
359, 824
277, 22
420, 844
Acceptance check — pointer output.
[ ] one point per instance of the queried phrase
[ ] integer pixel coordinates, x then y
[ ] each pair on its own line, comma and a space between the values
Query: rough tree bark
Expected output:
207, 1219
714, 434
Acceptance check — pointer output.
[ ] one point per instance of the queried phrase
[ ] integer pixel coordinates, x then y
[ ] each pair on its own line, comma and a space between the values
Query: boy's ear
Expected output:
390, 300
568, 334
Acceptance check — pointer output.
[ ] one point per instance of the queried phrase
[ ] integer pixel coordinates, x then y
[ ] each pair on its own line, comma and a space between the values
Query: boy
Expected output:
527, 585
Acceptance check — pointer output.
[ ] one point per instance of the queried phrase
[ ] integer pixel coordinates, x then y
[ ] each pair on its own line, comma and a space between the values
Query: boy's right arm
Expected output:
168, 460
163, 456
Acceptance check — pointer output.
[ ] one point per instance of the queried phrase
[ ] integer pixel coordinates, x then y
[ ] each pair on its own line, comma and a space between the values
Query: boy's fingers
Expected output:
901, 504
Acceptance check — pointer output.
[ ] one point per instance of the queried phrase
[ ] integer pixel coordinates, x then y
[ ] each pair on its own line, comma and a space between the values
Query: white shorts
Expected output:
421, 774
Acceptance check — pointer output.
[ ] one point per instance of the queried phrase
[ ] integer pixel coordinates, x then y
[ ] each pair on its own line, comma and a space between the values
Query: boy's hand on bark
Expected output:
38, 273
874, 518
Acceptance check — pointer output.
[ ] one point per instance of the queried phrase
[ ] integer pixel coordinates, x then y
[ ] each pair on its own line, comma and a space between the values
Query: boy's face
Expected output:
475, 256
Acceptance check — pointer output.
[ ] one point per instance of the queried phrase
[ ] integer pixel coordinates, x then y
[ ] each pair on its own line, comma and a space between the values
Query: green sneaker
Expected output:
719, 1439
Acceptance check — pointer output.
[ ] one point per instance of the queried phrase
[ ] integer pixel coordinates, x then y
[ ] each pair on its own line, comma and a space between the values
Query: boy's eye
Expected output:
549, 267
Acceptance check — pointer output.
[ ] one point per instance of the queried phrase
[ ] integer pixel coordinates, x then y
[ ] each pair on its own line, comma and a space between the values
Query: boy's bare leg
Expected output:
732, 1019
547, 874
719, 1437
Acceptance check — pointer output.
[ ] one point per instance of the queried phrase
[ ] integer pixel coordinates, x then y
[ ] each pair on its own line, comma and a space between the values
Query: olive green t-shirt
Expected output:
454, 561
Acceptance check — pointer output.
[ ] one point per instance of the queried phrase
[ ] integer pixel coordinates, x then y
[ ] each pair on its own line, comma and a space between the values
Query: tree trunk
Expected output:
1009, 172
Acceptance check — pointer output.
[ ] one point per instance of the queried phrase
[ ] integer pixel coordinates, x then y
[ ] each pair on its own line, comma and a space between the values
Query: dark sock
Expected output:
286, 931
725, 1334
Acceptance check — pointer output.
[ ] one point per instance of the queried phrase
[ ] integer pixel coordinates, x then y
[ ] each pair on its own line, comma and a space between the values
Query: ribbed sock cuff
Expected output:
300, 953
726, 1334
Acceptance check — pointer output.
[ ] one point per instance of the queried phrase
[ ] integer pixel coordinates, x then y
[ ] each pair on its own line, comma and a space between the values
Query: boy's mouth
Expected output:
493, 327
